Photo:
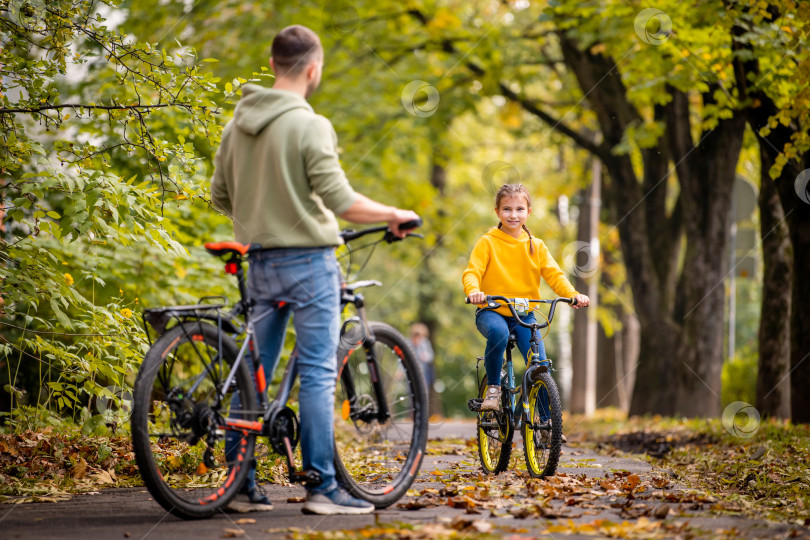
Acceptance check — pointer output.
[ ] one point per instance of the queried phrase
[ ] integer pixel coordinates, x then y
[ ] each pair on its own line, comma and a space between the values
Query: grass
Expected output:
760, 470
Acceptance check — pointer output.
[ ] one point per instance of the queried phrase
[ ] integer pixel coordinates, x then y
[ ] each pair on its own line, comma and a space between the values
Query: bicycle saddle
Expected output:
220, 249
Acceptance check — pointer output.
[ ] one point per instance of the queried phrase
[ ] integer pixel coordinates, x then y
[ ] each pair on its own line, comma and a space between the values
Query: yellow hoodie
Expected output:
502, 265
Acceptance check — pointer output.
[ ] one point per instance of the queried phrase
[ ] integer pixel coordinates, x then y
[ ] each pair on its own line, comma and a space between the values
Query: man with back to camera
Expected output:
278, 177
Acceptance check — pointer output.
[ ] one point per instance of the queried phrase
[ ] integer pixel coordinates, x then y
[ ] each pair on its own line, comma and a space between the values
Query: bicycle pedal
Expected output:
309, 478
475, 404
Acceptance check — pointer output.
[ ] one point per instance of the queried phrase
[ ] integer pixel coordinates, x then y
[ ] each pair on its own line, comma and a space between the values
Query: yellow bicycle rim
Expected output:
528, 439
483, 442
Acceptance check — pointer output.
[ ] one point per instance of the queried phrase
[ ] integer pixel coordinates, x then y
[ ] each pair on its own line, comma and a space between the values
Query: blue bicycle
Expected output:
540, 420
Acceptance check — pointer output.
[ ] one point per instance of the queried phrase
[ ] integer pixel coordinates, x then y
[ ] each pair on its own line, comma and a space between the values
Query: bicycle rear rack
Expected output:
160, 318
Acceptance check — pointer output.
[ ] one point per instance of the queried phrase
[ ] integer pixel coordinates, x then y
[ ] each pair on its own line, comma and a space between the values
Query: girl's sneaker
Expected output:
492, 400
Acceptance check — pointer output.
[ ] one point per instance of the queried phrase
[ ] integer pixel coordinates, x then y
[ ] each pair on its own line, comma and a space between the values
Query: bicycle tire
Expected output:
378, 460
542, 446
494, 444
172, 417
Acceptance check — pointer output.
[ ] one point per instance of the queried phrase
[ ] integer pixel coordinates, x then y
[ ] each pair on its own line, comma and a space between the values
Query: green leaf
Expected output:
60, 315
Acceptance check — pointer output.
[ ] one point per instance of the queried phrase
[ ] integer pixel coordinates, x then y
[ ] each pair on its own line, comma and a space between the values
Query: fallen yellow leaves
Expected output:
50, 465
640, 528
459, 527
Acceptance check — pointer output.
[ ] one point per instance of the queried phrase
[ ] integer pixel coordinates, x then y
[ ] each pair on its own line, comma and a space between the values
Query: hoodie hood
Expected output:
495, 232
259, 107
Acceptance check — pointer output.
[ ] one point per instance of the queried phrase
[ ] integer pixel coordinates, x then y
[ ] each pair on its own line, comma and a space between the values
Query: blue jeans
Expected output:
496, 328
308, 281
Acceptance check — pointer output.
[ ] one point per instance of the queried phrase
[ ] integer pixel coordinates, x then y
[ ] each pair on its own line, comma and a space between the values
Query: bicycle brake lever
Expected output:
391, 237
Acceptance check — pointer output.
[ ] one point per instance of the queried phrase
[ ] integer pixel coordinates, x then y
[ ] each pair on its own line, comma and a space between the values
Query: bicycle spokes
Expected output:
495, 431
542, 433
380, 417
185, 450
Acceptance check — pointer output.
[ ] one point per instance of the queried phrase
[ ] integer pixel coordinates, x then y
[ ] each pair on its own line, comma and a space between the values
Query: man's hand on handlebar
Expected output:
399, 217
581, 301
477, 298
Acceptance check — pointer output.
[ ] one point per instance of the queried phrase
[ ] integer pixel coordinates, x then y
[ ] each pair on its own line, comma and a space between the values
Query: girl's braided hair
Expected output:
514, 190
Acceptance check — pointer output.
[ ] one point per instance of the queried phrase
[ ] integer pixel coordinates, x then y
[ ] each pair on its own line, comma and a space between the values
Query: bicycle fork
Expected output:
533, 371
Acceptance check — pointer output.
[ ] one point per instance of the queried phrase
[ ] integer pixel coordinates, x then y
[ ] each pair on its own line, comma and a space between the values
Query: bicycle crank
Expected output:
284, 433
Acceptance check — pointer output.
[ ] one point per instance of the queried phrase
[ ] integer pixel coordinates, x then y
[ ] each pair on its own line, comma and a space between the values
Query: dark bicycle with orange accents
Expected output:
183, 399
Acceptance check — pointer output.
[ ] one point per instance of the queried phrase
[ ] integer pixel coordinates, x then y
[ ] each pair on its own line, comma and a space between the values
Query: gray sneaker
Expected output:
336, 501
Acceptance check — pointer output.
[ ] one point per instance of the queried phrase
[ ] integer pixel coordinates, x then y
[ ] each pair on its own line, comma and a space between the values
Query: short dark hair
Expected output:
294, 48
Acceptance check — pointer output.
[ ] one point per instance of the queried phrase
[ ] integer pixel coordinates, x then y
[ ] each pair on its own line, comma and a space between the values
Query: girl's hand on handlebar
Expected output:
477, 298
582, 301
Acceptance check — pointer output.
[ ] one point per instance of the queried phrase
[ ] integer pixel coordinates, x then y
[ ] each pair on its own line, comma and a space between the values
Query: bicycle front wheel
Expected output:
381, 416
180, 405
495, 432
542, 436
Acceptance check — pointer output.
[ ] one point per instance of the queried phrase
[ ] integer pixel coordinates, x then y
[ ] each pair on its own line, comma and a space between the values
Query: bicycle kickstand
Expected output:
309, 479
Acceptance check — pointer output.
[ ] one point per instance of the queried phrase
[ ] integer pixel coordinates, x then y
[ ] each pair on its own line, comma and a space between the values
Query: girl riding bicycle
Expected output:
508, 261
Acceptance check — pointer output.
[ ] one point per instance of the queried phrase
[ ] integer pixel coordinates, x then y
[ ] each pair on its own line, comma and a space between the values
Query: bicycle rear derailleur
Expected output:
283, 432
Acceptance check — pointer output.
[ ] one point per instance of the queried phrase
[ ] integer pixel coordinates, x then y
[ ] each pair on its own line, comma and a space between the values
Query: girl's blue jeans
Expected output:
496, 328
308, 281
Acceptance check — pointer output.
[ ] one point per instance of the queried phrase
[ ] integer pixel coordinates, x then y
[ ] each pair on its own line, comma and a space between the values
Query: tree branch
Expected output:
556, 124
75, 106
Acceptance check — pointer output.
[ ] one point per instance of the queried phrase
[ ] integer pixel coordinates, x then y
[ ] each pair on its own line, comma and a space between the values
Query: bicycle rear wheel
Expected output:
381, 416
495, 432
542, 437
178, 420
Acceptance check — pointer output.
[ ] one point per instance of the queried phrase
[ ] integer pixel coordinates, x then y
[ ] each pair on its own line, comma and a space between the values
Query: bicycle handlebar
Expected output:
492, 303
350, 234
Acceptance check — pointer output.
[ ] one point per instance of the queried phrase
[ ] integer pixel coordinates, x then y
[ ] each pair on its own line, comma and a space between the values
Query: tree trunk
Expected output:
681, 333
626, 368
800, 318
706, 173
773, 382
608, 358
796, 208
426, 311
584, 347
653, 392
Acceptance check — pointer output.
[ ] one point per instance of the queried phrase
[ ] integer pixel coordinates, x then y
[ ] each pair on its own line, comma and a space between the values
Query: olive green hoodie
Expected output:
277, 172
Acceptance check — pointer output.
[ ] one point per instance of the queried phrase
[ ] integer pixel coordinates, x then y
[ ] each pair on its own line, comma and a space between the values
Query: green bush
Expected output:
740, 377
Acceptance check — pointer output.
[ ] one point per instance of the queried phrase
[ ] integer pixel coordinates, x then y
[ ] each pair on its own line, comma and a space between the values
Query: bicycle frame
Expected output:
278, 423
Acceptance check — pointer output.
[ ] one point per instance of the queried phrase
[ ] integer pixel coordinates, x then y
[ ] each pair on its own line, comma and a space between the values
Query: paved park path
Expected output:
130, 513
